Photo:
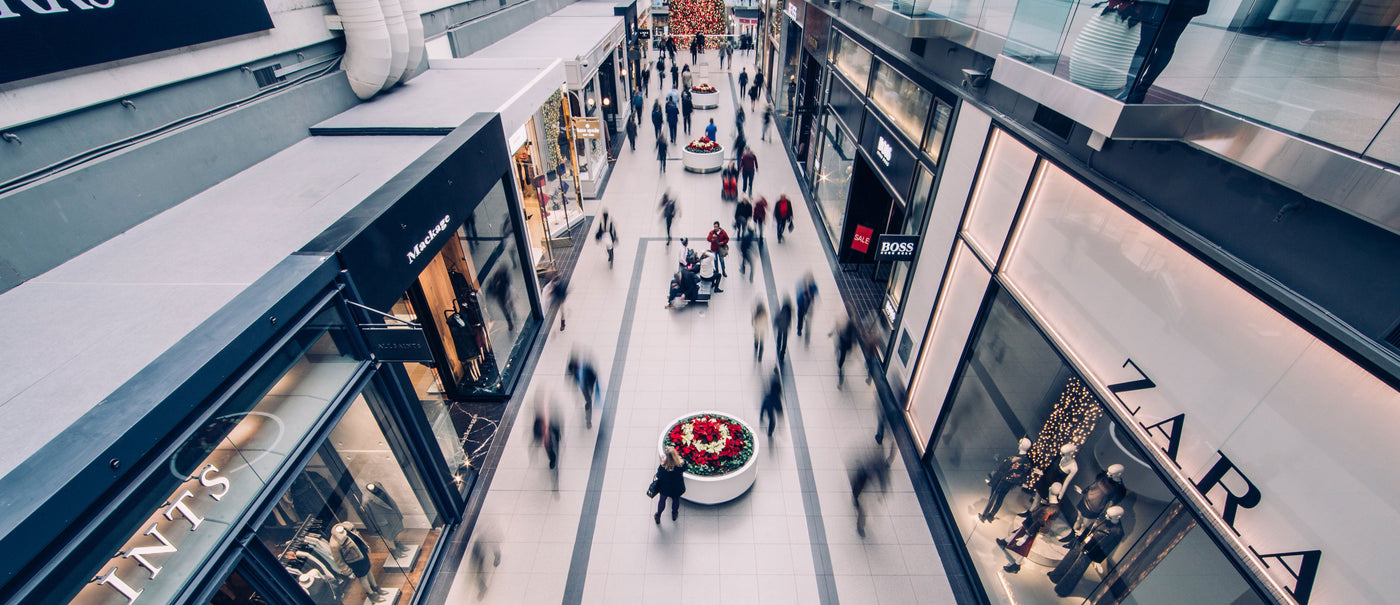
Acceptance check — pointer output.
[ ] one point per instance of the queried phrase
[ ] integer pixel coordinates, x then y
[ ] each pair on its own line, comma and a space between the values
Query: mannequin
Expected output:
1010, 473
1106, 490
351, 550
1094, 545
317, 586
383, 513
1020, 541
1061, 472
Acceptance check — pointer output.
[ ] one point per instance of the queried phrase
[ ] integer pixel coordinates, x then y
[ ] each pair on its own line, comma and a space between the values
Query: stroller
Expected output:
729, 182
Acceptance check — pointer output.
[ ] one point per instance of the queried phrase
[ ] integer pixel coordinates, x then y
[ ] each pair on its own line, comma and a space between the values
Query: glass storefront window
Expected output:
236, 590
1115, 526
833, 178
913, 225
356, 521
1006, 169
852, 61
223, 467
937, 131
902, 100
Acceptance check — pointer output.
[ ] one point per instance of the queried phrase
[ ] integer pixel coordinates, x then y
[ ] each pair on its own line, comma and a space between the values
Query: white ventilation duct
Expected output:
398, 40
416, 46
368, 57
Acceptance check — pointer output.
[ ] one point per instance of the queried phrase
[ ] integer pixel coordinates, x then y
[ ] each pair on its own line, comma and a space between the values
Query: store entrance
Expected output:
807, 108
872, 207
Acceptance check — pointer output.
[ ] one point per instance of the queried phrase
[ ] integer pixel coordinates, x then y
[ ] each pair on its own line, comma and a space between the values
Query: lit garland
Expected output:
552, 111
689, 17
1071, 421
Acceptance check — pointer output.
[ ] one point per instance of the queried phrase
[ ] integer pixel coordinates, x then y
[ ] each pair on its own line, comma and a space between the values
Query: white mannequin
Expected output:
1067, 465
340, 535
1023, 446
1028, 530
1115, 473
1114, 514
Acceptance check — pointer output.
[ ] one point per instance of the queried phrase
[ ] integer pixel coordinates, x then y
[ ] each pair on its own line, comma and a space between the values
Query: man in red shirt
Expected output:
748, 164
760, 214
782, 216
718, 238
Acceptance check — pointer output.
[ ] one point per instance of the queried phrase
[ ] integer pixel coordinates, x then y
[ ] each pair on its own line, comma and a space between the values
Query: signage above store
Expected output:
40, 37
397, 343
891, 247
793, 12
588, 128
428, 239
861, 241
884, 150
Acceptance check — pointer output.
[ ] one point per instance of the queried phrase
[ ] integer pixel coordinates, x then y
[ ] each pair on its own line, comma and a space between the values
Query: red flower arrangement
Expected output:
711, 444
703, 145
703, 87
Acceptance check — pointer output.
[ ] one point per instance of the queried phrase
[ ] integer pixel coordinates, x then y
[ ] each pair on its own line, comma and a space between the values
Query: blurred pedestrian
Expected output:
760, 215
632, 131
739, 119
656, 117
670, 483
675, 74
806, 298
743, 211
668, 210
610, 242
484, 545
753, 97
673, 112
547, 429
758, 79
741, 144
748, 165
662, 149
760, 330
772, 405
743, 81
498, 289
782, 323
687, 80
711, 130
846, 337
637, 102
869, 467
646, 77
687, 108
582, 373
746, 249
782, 216
767, 122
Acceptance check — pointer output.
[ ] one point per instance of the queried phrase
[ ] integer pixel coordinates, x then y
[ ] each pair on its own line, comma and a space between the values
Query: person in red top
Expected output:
782, 216
718, 238
760, 214
748, 164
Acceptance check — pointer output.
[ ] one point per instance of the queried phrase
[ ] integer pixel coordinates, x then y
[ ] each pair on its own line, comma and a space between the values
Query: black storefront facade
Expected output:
281, 452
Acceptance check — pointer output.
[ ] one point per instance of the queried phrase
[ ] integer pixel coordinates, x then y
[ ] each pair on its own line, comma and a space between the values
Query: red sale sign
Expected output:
861, 242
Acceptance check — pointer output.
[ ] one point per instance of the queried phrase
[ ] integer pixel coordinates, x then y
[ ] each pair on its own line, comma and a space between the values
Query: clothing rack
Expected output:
298, 539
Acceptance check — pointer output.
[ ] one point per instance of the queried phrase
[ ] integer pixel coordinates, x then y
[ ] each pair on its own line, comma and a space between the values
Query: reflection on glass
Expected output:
833, 178
1006, 169
237, 591
902, 100
938, 131
852, 61
356, 522
913, 225
1113, 517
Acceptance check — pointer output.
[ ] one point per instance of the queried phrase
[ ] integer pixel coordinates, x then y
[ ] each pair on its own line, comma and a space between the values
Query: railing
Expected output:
1328, 70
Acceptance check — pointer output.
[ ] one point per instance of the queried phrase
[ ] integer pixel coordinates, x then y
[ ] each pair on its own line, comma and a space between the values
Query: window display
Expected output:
833, 179
903, 101
1054, 500
852, 61
356, 524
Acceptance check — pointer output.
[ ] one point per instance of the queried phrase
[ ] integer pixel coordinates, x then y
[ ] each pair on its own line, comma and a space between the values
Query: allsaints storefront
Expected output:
319, 457
1112, 420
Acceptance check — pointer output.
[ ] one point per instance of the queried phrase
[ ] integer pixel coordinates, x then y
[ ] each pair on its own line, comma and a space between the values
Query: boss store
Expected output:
880, 142
280, 451
1111, 419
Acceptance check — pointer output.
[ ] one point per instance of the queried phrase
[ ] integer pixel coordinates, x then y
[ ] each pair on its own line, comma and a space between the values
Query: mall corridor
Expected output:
587, 534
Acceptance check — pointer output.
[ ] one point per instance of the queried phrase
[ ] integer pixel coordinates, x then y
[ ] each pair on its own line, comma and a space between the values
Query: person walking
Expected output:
646, 76
760, 215
753, 97
846, 337
743, 80
656, 117
782, 216
673, 113
637, 102
632, 131
585, 376
872, 467
760, 330
661, 73
782, 323
739, 118
746, 254
748, 165
711, 130
675, 75
547, 432
719, 247
767, 122
741, 143
610, 242
743, 211
668, 212
772, 405
686, 79
687, 108
806, 298
498, 288
661, 151
670, 483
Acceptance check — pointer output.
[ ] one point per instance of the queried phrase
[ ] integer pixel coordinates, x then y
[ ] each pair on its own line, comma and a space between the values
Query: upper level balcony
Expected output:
1279, 85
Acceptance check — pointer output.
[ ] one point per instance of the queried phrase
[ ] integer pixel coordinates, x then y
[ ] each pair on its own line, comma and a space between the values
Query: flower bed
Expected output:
721, 455
704, 145
703, 155
703, 88
704, 96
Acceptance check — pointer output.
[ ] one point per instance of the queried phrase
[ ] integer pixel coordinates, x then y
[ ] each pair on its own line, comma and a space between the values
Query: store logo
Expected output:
885, 150
791, 11
432, 235
896, 247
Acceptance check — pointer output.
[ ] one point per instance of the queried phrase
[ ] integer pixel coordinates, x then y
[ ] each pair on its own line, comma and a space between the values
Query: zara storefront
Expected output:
299, 445
1169, 436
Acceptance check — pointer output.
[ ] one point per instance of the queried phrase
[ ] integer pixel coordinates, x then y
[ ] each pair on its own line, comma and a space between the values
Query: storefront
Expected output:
1166, 429
787, 53
311, 441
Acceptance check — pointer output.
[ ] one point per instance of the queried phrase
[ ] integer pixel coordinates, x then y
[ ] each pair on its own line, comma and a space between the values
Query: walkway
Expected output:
586, 534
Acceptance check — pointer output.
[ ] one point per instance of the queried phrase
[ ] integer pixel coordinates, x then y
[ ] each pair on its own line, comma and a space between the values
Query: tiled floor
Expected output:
585, 534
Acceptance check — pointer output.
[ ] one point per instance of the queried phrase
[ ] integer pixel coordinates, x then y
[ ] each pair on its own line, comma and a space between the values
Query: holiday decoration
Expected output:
689, 17
1071, 421
703, 87
703, 145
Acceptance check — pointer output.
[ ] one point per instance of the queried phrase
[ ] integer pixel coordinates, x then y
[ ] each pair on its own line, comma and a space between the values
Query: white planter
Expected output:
704, 100
702, 162
717, 488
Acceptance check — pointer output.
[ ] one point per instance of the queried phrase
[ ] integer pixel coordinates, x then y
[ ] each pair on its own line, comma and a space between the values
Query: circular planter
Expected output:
710, 161
704, 100
715, 489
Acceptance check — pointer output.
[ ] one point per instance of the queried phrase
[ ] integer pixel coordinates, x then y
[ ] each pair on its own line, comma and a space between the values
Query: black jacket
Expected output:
672, 483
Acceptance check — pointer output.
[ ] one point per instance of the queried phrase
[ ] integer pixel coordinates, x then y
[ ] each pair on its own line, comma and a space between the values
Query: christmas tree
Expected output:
689, 17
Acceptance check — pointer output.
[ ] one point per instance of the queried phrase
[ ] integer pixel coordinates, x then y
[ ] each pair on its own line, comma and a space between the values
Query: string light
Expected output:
1071, 421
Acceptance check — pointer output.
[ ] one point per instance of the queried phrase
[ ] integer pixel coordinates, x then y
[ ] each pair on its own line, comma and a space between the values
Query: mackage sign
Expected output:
435, 231
40, 37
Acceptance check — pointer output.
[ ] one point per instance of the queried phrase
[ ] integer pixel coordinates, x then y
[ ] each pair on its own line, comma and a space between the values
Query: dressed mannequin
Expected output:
1010, 473
1106, 490
351, 550
1061, 472
383, 513
317, 586
1093, 546
1020, 541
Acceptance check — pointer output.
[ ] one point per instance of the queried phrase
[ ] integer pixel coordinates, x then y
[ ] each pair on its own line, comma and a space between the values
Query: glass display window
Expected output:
938, 131
833, 177
1001, 183
356, 522
1022, 432
903, 102
852, 60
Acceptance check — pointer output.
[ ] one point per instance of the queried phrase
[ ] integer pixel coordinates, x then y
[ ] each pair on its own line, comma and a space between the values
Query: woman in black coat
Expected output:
670, 483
